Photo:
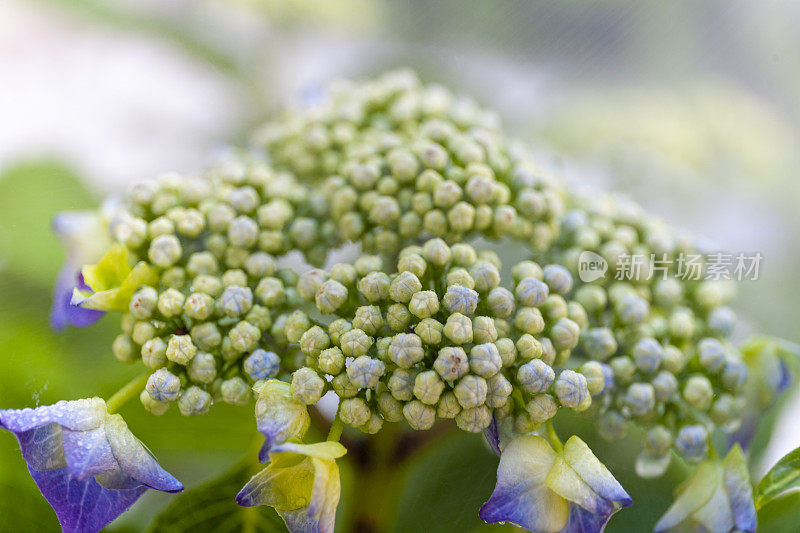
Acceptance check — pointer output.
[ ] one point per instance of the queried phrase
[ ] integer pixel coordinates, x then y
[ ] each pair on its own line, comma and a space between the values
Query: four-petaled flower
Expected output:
545, 491
301, 483
85, 461
112, 281
718, 498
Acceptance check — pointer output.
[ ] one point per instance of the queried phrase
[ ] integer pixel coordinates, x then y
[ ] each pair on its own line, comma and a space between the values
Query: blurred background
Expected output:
691, 108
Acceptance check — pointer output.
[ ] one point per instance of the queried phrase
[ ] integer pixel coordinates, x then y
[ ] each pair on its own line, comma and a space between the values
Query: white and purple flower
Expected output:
85, 461
545, 491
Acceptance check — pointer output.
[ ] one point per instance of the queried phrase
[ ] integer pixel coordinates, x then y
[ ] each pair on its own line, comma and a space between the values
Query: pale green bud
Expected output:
369, 319
486, 276
236, 301
243, 232
565, 334
344, 273
571, 388
314, 340
711, 354
401, 384
535, 376
673, 359
373, 425
436, 252
124, 349
430, 331
632, 309
451, 363
658, 440
406, 350
180, 349
448, 405
354, 412
375, 286
640, 399
208, 285
548, 351
398, 317
529, 320
531, 292
483, 329
612, 426
143, 303
194, 401
599, 343
165, 251
297, 324
270, 291
734, 374
343, 387
414, 264
418, 415
529, 347
458, 329
500, 302
541, 408
234, 278
484, 360
390, 408
463, 255
337, 328
307, 386
558, 279
592, 298
163, 385
428, 387
424, 304
220, 217
499, 389
151, 404
365, 372
474, 419
595, 377
244, 337
665, 385
206, 336
507, 351
460, 299
154, 353
202, 263
310, 282
624, 368
698, 392
471, 391
355, 343
526, 269
331, 361
235, 391
460, 276
368, 263
203, 368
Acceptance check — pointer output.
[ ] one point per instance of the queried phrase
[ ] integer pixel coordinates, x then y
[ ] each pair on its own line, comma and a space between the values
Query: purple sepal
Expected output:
492, 436
62, 312
583, 521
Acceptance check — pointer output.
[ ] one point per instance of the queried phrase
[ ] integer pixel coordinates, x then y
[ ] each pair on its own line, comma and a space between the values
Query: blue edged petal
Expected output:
62, 312
77, 415
82, 506
521, 496
492, 435
87, 453
582, 521
279, 417
736, 480
41, 447
594, 473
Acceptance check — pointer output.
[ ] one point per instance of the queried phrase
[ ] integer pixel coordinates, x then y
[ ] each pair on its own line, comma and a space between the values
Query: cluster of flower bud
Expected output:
440, 337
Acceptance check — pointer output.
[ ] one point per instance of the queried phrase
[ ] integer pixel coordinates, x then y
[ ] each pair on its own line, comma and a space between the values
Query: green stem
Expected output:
128, 391
335, 432
552, 436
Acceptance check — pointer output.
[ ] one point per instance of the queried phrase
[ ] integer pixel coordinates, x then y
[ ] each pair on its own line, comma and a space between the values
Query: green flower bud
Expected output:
275, 214
429, 331
202, 263
142, 332
206, 336
500, 302
310, 282
143, 303
235, 391
475, 419
692, 442
711, 354
243, 232
424, 304
375, 286
398, 317
507, 351
595, 377
529, 347
647, 355
170, 303
180, 349
541, 408
673, 359
632, 309
307, 386
343, 387
682, 323
337, 328
592, 298
451, 363
463, 255
483, 329
565, 334
165, 251
369, 319
726, 412
368, 263
331, 361
413, 264
612, 426
244, 337
173, 278
297, 324
365, 372
531, 292
163, 386
194, 401
558, 279
458, 329
658, 440
401, 384
665, 385
314, 340
373, 425
330, 296
154, 353
599, 343
499, 389
208, 285
721, 321
460, 299
154, 406
344, 273
698, 392
354, 412
428, 387
355, 343
418, 415
529, 320
390, 408
199, 306
471, 391
571, 388
640, 399
486, 276
203, 368
484, 360
624, 368
236, 301
233, 278
448, 405
436, 252
734, 374
404, 287
668, 292
220, 217
406, 350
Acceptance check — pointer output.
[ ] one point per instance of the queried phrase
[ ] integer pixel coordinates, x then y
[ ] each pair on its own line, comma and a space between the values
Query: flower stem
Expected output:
336, 429
552, 436
128, 391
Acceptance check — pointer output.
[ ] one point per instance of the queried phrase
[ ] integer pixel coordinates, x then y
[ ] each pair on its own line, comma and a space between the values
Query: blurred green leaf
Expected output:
30, 194
780, 515
212, 507
782, 477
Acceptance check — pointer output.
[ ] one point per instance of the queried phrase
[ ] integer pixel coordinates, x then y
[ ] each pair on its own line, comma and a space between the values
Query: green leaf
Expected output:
780, 515
212, 508
781, 478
